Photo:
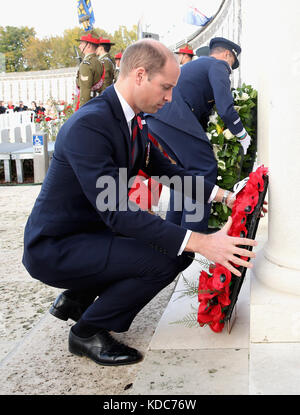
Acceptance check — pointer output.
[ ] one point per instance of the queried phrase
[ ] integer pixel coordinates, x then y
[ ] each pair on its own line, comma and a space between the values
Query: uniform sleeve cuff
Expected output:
242, 133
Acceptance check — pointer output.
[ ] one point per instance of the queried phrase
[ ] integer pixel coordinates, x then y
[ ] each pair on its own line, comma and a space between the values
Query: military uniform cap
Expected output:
91, 37
187, 50
229, 45
102, 41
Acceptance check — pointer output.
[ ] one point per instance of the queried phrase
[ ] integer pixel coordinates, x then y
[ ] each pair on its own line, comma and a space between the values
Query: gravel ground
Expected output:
34, 358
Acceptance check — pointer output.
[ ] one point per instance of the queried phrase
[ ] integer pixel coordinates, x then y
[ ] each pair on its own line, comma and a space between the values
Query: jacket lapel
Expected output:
111, 97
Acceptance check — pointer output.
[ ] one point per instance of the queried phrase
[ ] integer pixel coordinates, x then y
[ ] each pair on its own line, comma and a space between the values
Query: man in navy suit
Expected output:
180, 126
82, 238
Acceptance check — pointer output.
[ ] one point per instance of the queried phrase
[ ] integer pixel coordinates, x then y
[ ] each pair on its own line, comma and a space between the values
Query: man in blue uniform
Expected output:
84, 237
180, 126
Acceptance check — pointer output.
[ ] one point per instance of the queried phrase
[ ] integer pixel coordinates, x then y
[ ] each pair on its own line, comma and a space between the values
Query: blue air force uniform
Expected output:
204, 83
180, 125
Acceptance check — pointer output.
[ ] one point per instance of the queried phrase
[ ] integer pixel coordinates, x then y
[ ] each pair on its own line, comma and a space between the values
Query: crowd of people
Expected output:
11, 107
50, 110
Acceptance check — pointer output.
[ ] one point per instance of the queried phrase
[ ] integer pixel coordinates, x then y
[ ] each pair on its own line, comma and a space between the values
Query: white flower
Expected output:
228, 135
213, 118
244, 97
216, 149
221, 165
237, 108
208, 136
219, 178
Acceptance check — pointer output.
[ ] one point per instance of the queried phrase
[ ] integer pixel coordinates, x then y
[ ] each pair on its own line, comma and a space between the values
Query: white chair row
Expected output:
19, 152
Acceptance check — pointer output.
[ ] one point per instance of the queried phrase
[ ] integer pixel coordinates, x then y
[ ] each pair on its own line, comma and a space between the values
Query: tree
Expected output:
13, 41
37, 54
123, 38
23, 51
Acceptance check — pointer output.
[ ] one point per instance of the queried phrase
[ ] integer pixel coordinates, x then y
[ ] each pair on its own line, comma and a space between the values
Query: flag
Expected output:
195, 17
85, 14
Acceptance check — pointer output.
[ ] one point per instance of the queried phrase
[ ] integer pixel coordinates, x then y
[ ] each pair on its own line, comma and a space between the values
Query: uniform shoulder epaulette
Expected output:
106, 58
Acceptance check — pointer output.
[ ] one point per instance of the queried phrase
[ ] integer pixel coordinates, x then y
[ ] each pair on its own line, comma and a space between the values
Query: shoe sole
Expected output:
56, 313
80, 354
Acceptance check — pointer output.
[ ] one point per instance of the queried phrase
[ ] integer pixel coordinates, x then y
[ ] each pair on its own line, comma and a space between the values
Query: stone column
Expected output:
275, 300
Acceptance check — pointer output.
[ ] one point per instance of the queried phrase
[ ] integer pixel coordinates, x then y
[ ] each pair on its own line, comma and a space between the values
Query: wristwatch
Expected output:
224, 198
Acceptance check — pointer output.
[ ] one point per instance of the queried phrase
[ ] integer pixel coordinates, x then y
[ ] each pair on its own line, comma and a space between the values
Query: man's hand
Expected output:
245, 142
222, 249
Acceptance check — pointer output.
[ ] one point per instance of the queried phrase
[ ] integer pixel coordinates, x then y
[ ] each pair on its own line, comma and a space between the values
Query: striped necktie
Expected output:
134, 133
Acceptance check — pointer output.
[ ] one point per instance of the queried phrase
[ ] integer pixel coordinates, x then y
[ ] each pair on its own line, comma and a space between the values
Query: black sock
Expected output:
81, 329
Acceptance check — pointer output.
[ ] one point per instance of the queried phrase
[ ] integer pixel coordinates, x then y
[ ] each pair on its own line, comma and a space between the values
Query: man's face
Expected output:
82, 46
230, 58
151, 95
100, 50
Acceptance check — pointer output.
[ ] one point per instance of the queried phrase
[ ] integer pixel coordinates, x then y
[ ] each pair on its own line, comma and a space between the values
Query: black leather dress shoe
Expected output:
103, 349
64, 308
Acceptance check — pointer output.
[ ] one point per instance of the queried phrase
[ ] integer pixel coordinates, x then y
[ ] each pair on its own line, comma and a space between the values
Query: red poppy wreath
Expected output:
218, 289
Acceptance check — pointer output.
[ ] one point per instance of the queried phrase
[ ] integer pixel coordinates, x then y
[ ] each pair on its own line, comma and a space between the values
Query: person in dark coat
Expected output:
21, 107
2, 108
180, 126
82, 234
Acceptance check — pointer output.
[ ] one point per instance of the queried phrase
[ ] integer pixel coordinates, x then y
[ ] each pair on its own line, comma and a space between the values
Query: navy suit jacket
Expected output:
181, 135
66, 236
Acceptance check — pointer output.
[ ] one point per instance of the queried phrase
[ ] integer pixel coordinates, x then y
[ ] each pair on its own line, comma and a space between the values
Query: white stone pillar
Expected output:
275, 298
281, 253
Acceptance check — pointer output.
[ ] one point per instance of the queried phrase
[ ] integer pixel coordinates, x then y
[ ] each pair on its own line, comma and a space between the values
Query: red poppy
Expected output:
48, 119
217, 326
203, 318
238, 229
139, 121
221, 277
257, 178
205, 290
204, 307
223, 297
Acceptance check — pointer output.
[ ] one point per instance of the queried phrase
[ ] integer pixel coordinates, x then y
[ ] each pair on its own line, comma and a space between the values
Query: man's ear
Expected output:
140, 75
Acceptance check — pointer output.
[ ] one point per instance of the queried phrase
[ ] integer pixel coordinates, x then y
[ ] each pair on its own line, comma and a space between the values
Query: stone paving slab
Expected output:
41, 364
274, 369
193, 372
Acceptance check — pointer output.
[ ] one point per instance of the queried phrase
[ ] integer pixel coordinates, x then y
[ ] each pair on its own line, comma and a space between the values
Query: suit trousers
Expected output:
135, 273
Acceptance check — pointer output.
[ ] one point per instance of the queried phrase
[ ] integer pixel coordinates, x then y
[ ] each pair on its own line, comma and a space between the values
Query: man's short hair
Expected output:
106, 48
146, 53
217, 49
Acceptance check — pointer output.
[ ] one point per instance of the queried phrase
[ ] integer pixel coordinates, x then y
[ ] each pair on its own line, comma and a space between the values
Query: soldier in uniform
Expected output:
181, 124
118, 57
185, 55
90, 75
107, 60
